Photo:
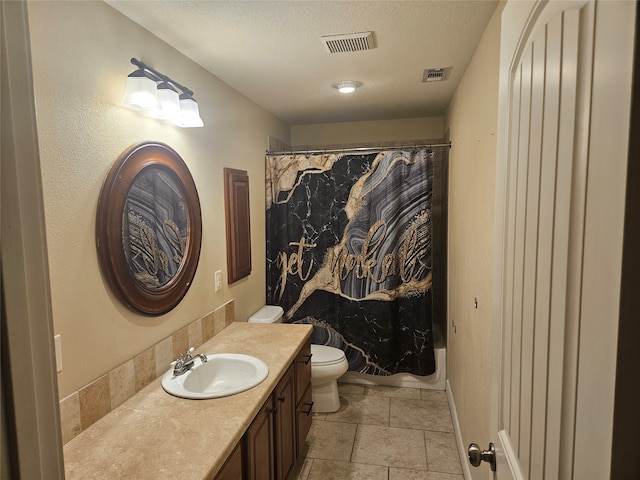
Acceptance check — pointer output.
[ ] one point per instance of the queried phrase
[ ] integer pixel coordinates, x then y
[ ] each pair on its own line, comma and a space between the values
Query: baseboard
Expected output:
462, 449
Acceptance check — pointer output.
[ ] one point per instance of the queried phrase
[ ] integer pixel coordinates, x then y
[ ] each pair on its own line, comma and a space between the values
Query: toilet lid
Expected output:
267, 314
325, 355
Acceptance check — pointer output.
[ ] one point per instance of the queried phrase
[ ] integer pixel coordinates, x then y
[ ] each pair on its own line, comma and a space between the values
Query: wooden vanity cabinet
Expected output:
232, 468
303, 369
284, 398
304, 403
275, 438
304, 418
270, 440
259, 445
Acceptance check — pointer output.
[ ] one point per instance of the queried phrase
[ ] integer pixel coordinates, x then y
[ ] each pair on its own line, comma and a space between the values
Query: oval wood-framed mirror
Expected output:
149, 228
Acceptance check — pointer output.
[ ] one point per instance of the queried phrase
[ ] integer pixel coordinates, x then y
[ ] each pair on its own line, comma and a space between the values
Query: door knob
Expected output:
477, 456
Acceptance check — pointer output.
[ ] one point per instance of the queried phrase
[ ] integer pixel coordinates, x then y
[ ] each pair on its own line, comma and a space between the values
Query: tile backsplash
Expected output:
83, 408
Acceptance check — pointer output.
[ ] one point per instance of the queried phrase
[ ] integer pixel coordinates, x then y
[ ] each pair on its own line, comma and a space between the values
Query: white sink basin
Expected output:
223, 374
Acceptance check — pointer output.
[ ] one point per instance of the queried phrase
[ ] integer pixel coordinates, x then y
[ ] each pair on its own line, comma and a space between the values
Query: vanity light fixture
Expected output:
347, 86
153, 92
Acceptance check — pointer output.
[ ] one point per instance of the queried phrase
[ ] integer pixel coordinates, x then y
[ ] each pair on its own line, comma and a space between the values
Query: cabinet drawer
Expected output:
304, 416
303, 370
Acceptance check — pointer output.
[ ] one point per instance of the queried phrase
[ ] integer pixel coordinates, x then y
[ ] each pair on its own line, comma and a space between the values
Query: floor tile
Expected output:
362, 409
331, 440
397, 392
405, 474
382, 432
420, 414
351, 388
434, 396
396, 447
442, 452
328, 469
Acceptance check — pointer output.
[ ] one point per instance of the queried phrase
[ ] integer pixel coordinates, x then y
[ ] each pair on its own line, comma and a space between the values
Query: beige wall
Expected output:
81, 53
472, 120
367, 133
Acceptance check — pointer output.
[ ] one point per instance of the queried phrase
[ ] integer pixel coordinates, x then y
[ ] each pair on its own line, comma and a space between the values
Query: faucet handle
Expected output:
182, 358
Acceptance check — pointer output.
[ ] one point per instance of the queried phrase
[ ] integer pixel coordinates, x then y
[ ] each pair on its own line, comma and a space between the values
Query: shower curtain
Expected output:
349, 252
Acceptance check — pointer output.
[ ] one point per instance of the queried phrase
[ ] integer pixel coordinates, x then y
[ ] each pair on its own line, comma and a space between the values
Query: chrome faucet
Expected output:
184, 362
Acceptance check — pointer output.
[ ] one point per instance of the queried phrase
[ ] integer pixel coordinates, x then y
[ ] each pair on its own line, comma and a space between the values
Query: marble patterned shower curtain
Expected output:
349, 251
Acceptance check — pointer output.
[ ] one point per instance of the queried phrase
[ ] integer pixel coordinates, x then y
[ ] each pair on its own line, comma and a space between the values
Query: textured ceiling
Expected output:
271, 51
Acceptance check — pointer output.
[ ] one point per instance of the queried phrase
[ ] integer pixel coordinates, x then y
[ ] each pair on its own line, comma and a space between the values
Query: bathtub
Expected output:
435, 381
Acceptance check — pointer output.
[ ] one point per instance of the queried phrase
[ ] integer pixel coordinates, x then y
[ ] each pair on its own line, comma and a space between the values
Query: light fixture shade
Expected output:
347, 86
141, 92
169, 103
190, 113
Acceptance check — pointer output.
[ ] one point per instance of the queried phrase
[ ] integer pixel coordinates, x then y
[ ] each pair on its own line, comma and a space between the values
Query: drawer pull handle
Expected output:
281, 398
308, 412
306, 362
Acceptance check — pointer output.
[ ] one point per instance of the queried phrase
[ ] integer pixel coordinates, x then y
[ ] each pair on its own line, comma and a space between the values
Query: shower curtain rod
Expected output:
360, 149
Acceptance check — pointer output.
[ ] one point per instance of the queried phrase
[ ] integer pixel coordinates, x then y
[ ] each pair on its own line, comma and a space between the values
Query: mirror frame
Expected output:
109, 228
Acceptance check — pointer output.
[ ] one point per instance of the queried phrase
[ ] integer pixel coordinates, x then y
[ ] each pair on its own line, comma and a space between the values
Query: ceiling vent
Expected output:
349, 42
436, 74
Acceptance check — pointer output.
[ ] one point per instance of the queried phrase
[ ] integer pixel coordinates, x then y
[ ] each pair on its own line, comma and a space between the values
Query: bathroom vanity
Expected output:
276, 436
255, 434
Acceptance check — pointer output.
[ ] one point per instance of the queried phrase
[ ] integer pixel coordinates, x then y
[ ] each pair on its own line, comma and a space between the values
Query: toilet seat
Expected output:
323, 355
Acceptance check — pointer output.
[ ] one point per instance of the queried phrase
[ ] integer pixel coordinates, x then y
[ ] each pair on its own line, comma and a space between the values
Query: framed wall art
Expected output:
149, 228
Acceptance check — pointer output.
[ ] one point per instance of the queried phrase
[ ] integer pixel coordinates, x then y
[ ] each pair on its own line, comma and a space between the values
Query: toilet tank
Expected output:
267, 314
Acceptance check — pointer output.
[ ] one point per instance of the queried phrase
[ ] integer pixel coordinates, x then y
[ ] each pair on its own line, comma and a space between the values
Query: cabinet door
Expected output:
259, 458
303, 370
232, 469
304, 418
236, 193
285, 423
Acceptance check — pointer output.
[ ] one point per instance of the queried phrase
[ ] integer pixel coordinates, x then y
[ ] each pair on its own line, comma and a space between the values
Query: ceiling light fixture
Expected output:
347, 86
150, 91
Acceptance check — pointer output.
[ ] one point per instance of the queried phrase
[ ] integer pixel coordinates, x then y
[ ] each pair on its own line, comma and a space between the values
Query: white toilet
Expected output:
327, 364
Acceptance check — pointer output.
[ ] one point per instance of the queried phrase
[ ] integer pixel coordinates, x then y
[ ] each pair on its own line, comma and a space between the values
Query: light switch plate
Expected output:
57, 341
218, 280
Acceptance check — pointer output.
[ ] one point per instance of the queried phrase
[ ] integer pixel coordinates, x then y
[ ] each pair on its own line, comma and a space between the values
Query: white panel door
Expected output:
544, 199
542, 105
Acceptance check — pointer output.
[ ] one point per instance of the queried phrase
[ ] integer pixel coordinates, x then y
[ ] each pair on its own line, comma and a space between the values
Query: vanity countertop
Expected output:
154, 435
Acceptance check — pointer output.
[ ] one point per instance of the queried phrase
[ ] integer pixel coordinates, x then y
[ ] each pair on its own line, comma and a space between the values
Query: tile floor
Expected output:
382, 433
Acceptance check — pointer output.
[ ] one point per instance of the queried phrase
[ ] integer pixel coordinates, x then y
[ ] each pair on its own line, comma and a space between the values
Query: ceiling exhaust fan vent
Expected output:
436, 74
349, 42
